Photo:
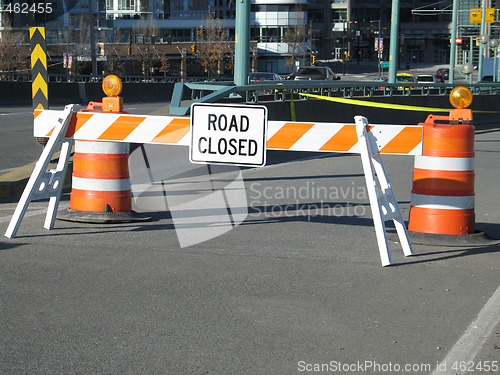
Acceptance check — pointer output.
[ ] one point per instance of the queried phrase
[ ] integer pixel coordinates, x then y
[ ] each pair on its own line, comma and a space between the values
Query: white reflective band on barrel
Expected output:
100, 184
444, 164
92, 147
439, 202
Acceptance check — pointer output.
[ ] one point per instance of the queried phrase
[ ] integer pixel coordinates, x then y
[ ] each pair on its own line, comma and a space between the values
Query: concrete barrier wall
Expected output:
19, 93
327, 111
15, 93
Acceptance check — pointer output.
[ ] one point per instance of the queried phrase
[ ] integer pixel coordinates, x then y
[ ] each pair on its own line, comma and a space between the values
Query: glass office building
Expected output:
280, 29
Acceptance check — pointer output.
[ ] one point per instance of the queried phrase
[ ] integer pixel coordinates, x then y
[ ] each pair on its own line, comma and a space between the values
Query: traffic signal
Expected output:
353, 27
466, 43
313, 59
193, 48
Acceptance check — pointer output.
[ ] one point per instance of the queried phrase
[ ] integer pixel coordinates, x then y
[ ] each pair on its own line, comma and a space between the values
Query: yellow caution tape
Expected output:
365, 103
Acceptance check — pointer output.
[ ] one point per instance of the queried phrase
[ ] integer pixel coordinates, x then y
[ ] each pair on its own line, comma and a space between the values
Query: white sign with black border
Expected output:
232, 134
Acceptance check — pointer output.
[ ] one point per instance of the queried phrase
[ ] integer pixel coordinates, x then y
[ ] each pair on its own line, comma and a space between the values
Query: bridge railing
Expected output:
71, 78
209, 92
205, 89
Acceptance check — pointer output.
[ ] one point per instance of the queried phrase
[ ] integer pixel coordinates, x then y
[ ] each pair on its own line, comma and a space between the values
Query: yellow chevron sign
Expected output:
41, 30
38, 54
39, 83
39, 75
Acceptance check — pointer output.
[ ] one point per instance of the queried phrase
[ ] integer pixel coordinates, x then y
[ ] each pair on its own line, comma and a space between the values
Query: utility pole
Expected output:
481, 44
393, 48
242, 42
92, 40
453, 42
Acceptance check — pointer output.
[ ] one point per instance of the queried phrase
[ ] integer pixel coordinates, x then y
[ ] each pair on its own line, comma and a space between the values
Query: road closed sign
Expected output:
228, 134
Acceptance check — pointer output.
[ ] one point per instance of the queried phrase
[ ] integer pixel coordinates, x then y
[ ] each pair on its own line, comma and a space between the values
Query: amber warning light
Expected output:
112, 87
460, 97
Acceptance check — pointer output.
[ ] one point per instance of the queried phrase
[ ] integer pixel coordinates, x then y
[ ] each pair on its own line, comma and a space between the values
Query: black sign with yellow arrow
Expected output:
39, 75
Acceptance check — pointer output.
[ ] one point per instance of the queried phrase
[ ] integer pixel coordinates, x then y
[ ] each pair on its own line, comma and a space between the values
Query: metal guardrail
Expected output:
65, 78
281, 91
203, 89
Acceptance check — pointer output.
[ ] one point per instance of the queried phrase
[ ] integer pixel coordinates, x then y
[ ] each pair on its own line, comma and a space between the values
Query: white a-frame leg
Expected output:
382, 199
43, 183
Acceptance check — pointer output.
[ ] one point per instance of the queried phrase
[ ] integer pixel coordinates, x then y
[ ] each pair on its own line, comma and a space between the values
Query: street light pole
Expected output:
481, 44
92, 40
378, 44
453, 42
242, 42
494, 44
393, 48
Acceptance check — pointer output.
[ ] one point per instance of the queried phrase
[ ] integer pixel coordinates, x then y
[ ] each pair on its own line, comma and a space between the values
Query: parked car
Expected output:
430, 78
405, 78
443, 72
314, 73
486, 79
380, 79
263, 76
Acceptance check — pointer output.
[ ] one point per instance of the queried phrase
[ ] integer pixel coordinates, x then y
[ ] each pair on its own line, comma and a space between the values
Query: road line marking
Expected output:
471, 342
42, 211
7, 170
33, 213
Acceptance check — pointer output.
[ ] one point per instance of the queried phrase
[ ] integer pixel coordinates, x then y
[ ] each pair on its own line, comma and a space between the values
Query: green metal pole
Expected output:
242, 42
453, 42
471, 59
393, 48
481, 45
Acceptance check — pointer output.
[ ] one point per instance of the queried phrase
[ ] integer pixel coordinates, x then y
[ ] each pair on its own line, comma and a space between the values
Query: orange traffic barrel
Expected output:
442, 199
100, 191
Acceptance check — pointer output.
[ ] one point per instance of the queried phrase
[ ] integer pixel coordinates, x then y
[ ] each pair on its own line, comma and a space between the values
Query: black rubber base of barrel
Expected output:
102, 217
475, 239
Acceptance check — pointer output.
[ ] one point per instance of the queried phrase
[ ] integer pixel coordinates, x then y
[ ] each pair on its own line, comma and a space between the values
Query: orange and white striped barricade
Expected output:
367, 140
281, 135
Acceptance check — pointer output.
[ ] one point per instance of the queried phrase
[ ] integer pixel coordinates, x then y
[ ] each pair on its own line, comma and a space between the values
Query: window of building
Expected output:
126, 4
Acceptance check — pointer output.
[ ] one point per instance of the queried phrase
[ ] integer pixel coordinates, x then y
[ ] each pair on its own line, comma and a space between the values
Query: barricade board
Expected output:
281, 135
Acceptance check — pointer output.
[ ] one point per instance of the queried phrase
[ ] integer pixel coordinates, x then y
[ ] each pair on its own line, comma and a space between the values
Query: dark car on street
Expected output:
430, 78
263, 76
443, 72
322, 73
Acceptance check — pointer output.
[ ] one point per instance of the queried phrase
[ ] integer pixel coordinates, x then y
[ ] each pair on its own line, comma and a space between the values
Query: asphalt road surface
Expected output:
296, 287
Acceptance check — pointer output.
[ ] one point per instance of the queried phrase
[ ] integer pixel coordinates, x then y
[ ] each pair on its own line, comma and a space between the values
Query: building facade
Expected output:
284, 33
358, 25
